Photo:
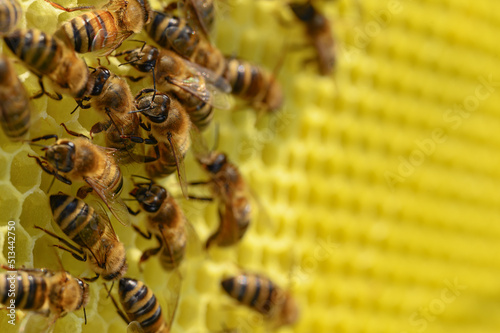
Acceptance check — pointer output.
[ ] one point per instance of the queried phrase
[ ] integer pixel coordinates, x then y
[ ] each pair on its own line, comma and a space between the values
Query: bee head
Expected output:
99, 77
61, 155
156, 111
303, 11
216, 163
150, 197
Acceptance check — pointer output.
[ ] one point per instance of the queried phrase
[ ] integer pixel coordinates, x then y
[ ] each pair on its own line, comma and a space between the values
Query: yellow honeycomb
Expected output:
377, 187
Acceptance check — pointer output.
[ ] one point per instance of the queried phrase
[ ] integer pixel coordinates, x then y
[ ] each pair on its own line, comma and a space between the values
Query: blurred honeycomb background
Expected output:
377, 187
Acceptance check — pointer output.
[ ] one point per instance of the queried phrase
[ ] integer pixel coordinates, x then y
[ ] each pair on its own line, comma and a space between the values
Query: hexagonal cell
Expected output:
22, 175
10, 202
4, 166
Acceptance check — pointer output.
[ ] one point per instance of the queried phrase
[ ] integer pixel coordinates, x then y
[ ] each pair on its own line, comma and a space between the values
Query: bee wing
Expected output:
171, 296
36, 323
102, 36
193, 10
114, 203
98, 228
181, 169
194, 246
134, 327
204, 91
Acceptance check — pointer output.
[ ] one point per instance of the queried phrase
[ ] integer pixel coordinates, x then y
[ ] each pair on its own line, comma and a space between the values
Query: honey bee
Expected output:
10, 13
198, 89
171, 32
165, 221
169, 123
81, 160
49, 293
15, 111
46, 55
111, 96
254, 84
103, 29
262, 295
319, 33
143, 312
234, 208
92, 231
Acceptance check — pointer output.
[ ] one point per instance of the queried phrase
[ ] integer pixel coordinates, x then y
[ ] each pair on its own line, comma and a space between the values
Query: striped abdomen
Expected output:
174, 33
46, 55
169, 226
171, 32
40, 52
75, 217
254, 84
254, 291
141, 305
10, 13
31, 291
200, 113
90, 32
166, 164
15, 110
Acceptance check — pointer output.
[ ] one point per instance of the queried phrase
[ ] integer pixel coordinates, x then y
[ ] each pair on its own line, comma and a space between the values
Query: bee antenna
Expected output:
51, 183
128, 62
85, 316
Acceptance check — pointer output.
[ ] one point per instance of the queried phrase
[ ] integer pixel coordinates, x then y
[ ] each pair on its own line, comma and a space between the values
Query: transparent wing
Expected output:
100, 226
38, 323
104, 35
171, 296
113, 201
196, 13
217, 81
206, 92
181, 169
194, 247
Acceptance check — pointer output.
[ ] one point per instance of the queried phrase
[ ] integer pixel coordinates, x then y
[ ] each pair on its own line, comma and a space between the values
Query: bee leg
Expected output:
200, 198
56, 97
149, 159
84, 191
131, 212
147, 254
79, 104
70, 132
49, 170
76, 256
45, 137
202, 182
140, 232
118, 310
91, 279
134, 78
146, 127
98, 128
73, 9
62, 240
143, 91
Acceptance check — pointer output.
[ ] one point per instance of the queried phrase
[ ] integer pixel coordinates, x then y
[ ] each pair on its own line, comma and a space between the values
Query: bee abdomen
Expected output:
36, 49
28, 291
165, 165
169, 31
171, 258
15, 112
74, 215
10, 13
253, 84
252, 290
141, 305
89, 32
